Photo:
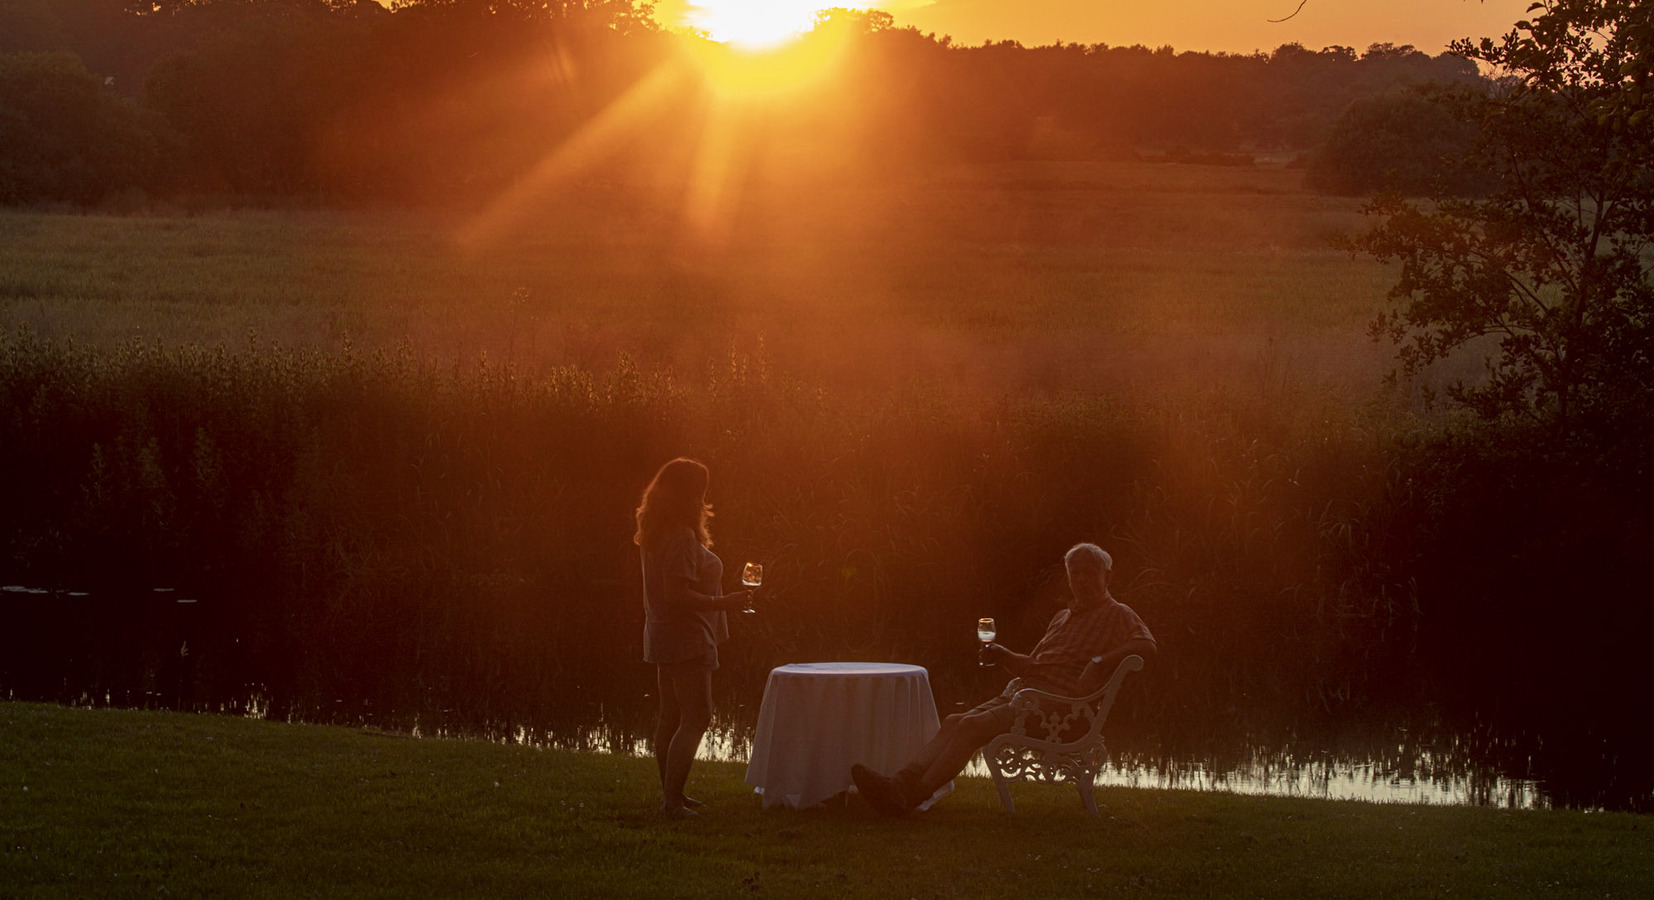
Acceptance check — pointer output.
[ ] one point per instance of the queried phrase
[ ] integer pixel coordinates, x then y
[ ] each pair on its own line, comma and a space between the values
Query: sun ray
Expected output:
593, 141
715, 179
744, 93
736, 71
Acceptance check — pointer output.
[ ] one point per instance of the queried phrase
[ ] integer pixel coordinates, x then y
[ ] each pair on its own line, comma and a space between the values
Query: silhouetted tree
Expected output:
63, 137
1555, 264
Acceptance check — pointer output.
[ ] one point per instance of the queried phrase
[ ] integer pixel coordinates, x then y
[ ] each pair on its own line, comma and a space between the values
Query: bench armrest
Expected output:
1056, 718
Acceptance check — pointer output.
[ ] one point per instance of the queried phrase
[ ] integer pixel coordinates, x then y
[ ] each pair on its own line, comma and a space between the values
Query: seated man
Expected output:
1081, 648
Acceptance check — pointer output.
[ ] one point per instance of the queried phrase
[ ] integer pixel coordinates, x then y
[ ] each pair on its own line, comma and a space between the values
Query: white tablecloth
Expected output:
818, 719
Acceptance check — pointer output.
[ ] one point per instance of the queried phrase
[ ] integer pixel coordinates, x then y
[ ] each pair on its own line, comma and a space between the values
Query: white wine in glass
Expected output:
985, 632
752, 575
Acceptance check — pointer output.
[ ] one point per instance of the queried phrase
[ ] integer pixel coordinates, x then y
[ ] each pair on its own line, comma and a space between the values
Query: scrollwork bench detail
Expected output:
1056, 739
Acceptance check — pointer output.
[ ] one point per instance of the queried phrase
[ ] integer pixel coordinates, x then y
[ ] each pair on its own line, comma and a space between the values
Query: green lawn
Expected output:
105, 803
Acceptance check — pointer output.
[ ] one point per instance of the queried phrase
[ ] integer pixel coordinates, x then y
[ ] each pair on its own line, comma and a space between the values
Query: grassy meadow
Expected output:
1052, 277
125, 803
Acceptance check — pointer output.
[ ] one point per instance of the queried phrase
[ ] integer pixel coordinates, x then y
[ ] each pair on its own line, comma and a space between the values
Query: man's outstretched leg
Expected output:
938, 762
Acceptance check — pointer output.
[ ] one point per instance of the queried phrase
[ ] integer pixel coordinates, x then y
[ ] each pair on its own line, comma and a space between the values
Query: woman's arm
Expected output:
680, 592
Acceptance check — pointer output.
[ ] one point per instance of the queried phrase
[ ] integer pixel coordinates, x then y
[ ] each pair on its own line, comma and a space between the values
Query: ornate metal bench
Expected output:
1056, 739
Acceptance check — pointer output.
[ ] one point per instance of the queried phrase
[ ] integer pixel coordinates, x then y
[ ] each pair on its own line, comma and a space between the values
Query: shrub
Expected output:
1402, 141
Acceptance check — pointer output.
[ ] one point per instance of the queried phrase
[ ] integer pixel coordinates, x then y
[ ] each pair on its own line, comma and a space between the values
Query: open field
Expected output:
120, 803
1052, 277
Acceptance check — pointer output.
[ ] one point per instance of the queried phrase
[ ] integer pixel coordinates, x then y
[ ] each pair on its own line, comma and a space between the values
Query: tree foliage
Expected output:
351, 101
1402, 141
64, 138
1554, 265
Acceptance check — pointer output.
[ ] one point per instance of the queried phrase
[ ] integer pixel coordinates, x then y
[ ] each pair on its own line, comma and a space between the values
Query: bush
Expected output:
1404, 142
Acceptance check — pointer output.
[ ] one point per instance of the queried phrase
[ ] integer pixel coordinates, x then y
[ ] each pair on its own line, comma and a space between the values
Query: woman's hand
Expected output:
739, 600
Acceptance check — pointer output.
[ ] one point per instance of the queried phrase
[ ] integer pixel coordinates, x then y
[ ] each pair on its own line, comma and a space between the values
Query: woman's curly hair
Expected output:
676, 498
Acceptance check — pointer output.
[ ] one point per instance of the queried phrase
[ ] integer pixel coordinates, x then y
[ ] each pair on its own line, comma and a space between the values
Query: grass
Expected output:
129, 803
983, 276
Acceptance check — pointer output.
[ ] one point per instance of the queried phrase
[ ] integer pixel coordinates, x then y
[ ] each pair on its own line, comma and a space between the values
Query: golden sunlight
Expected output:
734, 70
754, 24
746, 88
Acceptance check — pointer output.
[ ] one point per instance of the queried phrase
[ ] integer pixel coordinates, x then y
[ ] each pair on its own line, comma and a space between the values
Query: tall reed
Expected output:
375, 533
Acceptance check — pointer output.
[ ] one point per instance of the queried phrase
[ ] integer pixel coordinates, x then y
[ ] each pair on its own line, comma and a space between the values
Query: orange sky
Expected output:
1233, 25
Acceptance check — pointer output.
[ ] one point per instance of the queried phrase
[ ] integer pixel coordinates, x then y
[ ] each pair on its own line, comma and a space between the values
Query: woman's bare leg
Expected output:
692, 697
667, 724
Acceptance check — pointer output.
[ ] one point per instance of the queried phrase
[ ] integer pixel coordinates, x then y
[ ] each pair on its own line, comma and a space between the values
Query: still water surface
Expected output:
126, 662
1405, 774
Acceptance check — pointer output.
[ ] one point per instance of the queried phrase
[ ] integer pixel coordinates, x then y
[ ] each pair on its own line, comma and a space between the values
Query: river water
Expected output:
69, 650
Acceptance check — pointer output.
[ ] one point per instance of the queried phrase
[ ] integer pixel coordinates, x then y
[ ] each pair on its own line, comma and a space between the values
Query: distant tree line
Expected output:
343, 101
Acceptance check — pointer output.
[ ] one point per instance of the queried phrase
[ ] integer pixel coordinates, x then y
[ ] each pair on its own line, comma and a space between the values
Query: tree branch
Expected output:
1294, 12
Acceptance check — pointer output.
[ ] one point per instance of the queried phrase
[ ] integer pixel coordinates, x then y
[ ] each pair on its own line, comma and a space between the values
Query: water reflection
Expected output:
152, 649
1404, 773
1411, 776
1275, 775
1329, 780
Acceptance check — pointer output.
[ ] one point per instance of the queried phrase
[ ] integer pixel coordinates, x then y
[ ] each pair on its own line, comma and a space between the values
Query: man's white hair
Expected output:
1097, 554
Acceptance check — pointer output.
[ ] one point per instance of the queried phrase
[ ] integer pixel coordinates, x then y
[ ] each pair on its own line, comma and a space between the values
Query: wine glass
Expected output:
985, 632
752, 575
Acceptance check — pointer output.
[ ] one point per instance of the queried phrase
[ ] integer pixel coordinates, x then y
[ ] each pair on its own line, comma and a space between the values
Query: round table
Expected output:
818, 719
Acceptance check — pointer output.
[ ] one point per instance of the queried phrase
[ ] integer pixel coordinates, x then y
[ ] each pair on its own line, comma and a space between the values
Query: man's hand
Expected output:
1001, 655
1100, 668
991, 654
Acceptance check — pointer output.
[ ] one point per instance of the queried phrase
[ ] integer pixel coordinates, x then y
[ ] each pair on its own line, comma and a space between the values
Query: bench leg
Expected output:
1004, 793
999, 782
1086, 786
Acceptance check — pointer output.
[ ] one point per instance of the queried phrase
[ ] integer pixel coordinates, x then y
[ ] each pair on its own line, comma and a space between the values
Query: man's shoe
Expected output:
878, 791
908, 788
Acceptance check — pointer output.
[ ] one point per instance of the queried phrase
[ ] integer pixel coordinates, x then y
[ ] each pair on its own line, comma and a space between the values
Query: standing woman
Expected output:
684, 618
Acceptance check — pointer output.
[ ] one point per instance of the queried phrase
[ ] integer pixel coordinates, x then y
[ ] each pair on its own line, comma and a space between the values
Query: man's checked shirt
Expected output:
1072, 639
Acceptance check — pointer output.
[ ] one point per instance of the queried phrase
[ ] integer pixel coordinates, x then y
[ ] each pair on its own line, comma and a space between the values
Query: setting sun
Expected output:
738, 70
753, 24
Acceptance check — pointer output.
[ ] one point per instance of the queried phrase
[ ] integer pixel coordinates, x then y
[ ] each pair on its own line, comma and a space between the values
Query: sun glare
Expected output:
754, 62
753, 24
753, 73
